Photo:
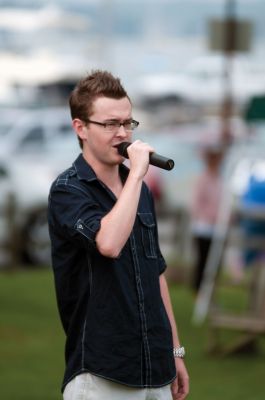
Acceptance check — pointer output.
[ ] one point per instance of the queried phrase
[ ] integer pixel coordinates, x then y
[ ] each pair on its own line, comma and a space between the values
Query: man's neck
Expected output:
108, 174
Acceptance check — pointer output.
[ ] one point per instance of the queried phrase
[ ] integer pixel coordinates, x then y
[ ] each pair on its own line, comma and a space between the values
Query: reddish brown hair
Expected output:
98, 83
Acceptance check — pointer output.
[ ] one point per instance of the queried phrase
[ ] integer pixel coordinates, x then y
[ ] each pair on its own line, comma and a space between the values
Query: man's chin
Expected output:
119, 160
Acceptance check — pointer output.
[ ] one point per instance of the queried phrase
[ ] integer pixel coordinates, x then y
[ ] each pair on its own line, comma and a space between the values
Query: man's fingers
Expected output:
174, 390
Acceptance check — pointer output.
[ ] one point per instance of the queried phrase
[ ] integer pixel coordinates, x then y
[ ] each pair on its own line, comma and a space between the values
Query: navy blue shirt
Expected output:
111, 309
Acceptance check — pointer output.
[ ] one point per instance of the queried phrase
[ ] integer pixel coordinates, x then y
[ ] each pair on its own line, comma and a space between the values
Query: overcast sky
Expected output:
25, 2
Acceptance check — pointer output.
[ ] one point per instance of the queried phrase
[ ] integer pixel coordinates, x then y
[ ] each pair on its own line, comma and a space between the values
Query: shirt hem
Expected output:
140, 386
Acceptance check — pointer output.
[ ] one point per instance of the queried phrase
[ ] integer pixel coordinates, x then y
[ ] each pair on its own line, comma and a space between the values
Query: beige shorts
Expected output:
90, 387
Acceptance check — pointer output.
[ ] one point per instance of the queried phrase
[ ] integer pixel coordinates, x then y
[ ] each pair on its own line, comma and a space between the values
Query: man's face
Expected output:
99, 143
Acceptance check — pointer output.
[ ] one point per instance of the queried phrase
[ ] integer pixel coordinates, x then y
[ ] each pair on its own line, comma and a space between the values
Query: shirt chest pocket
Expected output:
147, 228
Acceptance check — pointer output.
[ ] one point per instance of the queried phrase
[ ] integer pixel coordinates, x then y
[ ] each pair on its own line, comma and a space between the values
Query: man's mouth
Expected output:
116, 145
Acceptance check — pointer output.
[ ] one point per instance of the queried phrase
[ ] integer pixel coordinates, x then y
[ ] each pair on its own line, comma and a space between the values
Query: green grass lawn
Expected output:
32, 346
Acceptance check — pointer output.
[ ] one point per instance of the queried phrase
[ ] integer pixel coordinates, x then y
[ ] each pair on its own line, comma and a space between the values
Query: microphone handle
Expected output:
162, 162
154, 159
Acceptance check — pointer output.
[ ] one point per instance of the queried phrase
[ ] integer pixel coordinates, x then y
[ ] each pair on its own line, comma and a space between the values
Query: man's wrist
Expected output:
179, 352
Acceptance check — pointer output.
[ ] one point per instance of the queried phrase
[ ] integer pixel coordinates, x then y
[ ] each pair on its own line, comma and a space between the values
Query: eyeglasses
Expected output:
114, 126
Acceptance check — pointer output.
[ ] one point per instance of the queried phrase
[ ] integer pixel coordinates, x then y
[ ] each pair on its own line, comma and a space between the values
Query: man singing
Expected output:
113, 299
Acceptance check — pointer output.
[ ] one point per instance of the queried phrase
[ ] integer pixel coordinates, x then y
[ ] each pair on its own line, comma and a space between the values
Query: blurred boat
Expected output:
203, 81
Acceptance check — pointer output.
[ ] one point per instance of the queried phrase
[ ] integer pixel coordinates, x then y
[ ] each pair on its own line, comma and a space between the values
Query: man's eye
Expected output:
112, 124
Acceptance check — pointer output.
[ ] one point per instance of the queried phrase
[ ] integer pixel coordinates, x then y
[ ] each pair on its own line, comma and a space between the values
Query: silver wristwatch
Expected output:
179, 352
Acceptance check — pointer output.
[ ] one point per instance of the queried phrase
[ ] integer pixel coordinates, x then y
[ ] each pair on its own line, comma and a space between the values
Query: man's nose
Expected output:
121, 131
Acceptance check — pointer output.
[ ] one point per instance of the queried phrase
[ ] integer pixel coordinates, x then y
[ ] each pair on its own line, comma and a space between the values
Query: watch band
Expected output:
179, 352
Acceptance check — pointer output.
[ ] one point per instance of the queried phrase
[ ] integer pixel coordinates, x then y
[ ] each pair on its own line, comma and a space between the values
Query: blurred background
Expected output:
195, 71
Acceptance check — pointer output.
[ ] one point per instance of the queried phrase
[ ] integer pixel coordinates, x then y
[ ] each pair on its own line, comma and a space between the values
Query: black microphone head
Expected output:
170, 165
122, 148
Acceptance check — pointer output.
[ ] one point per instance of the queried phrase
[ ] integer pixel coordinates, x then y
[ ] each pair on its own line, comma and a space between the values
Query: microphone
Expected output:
154, 158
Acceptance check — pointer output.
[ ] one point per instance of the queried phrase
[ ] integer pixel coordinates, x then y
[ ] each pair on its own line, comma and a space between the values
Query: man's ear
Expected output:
79, 127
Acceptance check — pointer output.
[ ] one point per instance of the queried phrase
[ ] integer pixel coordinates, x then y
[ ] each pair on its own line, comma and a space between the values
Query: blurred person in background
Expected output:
154, 181
253, 199
121, 337
253, 227
204, 208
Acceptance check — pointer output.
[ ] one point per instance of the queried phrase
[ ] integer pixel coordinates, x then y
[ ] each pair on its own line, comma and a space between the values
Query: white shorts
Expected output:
90, 387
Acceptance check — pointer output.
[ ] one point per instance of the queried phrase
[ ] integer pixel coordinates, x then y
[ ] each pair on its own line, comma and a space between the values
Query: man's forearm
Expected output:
117, 225
168, 306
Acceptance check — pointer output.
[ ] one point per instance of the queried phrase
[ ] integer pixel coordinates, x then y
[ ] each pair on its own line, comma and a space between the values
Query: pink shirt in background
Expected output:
205, 203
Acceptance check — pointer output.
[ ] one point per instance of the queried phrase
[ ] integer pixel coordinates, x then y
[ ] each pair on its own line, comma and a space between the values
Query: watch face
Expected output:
179, 352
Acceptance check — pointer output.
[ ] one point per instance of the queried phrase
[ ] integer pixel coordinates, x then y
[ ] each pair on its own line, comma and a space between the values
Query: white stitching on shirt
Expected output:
142, 317
83, 345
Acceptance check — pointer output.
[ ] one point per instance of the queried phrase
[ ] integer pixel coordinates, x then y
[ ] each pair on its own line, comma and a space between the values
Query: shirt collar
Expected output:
85, 172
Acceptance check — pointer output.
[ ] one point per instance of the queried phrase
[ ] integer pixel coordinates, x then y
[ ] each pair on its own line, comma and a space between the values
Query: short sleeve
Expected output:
74, 214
